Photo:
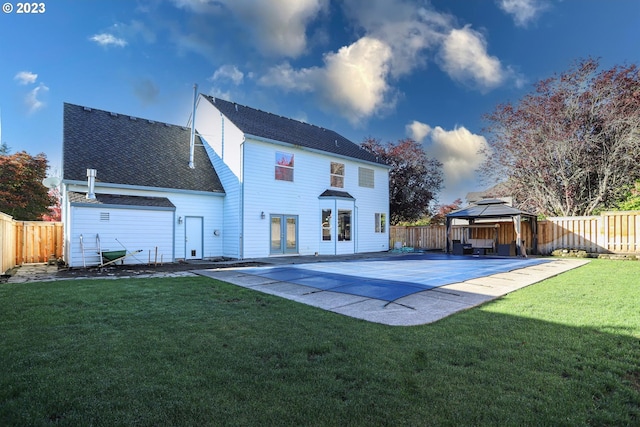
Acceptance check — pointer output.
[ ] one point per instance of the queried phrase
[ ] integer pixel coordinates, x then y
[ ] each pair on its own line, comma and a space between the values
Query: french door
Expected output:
284, 234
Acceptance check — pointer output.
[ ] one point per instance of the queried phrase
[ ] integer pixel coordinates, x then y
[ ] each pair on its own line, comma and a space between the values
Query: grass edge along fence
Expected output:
609, 232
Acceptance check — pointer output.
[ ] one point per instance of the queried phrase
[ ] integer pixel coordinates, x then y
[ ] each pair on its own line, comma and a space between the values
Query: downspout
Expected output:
241, 242
355, 232
334, 220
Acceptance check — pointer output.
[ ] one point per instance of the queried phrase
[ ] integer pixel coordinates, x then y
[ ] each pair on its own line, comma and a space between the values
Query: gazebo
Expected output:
495, 209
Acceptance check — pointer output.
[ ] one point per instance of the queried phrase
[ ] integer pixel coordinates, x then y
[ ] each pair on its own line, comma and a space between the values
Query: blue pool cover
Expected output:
391, 278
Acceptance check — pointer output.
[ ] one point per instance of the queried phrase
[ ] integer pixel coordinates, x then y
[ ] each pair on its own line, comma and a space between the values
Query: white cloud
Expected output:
392, 39
523, 11
418, 131
352, 81
26, 77
464, 57
228, 72
106, 39
32, 100
355, 78
409, 30
457, 149
284, 76
278, 26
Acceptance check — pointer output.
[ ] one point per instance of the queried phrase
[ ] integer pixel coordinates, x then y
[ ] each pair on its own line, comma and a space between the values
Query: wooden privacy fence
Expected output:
7, 243
37, 241
610, 232
25, 242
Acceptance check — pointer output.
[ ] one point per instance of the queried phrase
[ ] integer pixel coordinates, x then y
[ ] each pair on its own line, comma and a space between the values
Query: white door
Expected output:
193, 237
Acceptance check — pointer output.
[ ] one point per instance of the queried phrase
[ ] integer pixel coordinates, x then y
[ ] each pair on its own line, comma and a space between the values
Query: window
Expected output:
381, 223
344, 225
326, 224
337, 175
365, 177
284, 166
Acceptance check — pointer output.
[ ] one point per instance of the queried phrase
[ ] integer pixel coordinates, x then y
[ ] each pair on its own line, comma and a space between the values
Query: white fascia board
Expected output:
144, 188
116, 206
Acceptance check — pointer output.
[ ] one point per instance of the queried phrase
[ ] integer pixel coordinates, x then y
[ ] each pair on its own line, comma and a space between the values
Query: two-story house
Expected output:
261, 185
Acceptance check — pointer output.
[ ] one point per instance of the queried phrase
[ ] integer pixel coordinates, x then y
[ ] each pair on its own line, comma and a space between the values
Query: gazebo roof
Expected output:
488, 208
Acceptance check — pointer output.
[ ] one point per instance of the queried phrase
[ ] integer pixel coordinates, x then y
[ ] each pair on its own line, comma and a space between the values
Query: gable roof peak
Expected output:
273, 127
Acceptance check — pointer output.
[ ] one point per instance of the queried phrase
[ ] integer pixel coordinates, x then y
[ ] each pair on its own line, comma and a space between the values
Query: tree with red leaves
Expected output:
22, 194
440, 217
414, 179
55, 210
573, 145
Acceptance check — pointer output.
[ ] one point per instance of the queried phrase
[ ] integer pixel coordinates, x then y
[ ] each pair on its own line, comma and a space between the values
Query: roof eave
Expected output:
144, 188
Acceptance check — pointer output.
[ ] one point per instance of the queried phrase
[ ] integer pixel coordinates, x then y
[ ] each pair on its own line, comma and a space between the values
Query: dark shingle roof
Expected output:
488, 208
266, 125
336, 193
120, 200
133, 151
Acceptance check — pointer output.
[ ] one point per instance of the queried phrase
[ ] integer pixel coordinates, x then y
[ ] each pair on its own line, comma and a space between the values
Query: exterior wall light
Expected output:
179, 220
262, 216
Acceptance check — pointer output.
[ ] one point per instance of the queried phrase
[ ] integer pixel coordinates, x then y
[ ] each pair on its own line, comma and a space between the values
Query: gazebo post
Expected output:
448, 231
518, 226
534, 232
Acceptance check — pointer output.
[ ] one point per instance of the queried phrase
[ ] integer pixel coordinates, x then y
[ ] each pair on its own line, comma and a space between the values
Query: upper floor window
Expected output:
284, 166
337, 175
365, 177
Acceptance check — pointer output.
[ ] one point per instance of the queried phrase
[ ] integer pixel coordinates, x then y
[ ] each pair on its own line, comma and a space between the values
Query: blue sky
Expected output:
384, 68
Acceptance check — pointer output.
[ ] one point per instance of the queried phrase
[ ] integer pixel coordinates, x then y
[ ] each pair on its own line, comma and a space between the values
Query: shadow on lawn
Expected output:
153, 353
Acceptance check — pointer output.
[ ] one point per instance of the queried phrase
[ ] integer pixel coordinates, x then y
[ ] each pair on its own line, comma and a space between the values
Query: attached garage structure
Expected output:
128, 185
116, 222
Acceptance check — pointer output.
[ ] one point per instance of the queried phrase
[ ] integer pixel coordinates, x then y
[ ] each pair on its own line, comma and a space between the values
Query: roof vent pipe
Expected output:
192, 141
91, 178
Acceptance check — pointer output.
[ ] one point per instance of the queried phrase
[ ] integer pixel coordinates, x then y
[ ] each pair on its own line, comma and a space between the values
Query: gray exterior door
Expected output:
284, 234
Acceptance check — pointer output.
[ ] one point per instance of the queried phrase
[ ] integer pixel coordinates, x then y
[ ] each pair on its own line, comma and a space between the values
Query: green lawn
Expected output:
194, 351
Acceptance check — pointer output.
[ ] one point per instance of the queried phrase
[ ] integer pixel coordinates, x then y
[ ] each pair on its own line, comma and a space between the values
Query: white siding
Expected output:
246, 234
209, 207
263, 193
231, 226
133, 229
223, 142
221, 135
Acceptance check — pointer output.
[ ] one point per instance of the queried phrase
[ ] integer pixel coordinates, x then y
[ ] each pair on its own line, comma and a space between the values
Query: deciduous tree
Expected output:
631, 200
572, 145
440, 217
414, 179
55, 211
22, 194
